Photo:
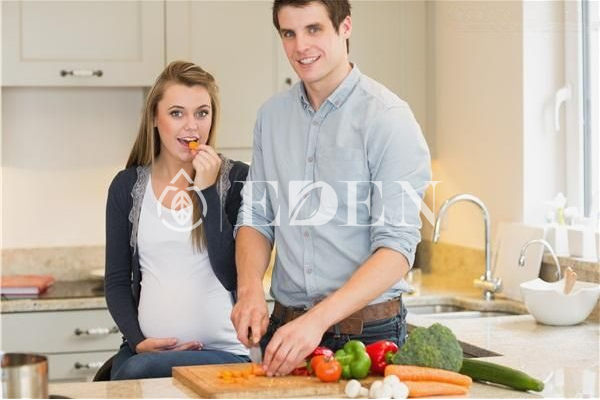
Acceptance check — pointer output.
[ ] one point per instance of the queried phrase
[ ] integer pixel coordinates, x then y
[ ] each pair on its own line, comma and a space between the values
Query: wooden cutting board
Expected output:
204, 380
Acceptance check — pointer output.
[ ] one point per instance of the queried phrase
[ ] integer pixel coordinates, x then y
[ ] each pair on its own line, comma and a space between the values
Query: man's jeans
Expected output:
392, 329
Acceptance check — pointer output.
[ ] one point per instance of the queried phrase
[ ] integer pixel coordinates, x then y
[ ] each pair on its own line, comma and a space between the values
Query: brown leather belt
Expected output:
353, 325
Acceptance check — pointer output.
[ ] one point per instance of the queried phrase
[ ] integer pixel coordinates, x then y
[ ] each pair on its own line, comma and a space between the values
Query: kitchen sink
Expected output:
448, 311
440, 307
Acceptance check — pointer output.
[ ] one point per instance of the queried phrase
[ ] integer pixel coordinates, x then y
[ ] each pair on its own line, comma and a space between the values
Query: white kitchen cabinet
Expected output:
77, 342
82, 43
236, 42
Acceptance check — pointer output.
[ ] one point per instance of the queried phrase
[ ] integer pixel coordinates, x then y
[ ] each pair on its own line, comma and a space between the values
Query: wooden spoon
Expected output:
570, 278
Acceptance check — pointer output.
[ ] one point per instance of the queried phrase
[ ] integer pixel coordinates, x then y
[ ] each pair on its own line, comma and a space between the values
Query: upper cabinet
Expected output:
236, 42
82, 43
128, 43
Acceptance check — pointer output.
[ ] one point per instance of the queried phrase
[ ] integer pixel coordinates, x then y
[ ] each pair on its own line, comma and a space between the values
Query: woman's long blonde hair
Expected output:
147, 144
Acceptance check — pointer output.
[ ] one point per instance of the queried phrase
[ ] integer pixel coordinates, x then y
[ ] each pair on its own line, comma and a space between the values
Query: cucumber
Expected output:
495, 373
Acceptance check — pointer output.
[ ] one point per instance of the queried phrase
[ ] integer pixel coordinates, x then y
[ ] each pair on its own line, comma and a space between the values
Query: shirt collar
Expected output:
340, 94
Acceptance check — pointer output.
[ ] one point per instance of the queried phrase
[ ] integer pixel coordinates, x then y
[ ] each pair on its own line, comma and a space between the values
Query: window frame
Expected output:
581, 150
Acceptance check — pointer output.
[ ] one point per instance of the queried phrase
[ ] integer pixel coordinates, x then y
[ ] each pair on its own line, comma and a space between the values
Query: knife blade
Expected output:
256, 355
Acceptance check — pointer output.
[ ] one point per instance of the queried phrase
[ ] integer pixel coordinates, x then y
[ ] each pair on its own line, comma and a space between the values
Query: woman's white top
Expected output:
181, 296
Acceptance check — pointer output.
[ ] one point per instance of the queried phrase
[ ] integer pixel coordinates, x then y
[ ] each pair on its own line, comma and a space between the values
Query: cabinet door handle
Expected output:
96, 331
81, 73
90, 365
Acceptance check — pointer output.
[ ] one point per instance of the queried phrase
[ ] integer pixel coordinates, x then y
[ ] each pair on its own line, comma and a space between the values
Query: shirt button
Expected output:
315, 123
309, 271
306, 234
310, 159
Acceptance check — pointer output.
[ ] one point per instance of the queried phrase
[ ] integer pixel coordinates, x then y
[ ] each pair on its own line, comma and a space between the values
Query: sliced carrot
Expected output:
432, 388
258, 370
225, 374
415, 373
193, 145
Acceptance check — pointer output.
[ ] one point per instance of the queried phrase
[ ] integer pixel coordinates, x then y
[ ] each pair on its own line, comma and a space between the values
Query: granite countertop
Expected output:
62, 295
72, 295
566, 358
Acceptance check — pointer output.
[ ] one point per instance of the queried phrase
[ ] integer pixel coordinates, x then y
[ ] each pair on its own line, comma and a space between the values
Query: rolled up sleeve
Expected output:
398, 158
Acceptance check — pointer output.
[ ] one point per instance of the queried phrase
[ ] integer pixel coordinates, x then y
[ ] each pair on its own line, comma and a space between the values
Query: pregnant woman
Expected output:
170, 260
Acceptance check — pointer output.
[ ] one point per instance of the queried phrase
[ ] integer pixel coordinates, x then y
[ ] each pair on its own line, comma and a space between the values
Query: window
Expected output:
582, 68
590, 20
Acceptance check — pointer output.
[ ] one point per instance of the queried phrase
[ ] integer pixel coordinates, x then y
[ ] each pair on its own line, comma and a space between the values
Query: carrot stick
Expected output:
257, 370
415, 373
431, 388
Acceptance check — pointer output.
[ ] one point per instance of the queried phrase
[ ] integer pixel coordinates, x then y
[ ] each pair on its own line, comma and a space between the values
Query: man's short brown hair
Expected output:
338, 10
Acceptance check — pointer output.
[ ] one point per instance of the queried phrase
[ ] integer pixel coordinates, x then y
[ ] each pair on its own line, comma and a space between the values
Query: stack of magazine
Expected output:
25, 286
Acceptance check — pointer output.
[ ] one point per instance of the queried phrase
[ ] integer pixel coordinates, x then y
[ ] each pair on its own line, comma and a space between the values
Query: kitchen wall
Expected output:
493, 72
61, 149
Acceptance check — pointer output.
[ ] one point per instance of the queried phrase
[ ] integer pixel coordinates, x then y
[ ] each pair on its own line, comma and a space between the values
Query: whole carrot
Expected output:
432, 388
415, 373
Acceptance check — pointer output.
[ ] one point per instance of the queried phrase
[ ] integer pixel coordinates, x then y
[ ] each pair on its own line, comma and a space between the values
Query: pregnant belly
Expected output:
187, 317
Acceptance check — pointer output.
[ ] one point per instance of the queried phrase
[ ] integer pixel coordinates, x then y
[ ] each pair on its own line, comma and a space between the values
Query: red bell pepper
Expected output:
381, 355
301, 371
321, 351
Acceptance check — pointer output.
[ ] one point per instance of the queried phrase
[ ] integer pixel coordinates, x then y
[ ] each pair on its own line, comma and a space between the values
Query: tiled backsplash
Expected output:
64, 263
456, 263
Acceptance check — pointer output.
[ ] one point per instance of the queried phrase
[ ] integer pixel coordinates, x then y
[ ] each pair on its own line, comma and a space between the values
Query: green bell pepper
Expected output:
354, 359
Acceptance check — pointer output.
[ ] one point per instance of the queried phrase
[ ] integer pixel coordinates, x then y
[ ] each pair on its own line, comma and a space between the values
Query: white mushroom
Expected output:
399, 390
391, 379
374, 387
353, 389
383, 392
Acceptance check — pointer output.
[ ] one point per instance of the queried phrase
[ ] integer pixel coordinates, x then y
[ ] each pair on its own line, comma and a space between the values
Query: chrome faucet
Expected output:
487, 282
550, 249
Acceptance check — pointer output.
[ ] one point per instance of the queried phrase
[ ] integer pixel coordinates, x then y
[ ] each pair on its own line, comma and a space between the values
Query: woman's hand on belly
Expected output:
166, 344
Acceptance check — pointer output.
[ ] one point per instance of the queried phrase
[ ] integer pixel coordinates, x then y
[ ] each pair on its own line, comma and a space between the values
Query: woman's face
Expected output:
183, 115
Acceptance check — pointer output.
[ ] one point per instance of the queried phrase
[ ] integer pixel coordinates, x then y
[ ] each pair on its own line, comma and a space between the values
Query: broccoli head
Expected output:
434, 347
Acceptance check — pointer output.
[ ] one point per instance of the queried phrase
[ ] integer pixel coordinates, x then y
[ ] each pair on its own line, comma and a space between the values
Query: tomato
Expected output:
329, 370
315, 361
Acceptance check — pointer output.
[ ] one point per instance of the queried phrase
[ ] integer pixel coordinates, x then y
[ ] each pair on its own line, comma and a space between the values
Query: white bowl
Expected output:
549, 305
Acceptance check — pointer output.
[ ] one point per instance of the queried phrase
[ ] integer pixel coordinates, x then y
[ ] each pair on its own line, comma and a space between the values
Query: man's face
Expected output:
312, 44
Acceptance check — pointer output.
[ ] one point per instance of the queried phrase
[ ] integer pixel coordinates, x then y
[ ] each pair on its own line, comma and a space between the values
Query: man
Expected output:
340, 277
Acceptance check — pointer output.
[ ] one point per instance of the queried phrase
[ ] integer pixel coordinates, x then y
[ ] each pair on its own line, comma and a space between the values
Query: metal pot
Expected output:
24, 376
